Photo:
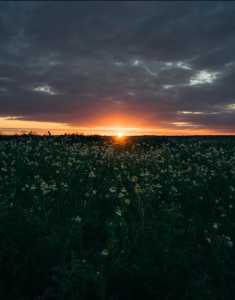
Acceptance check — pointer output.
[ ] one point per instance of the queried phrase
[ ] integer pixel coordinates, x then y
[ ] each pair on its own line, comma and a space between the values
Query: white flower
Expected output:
112, 189
105, 252
92, 174
78, 219
119, 212
215, 225
174, 189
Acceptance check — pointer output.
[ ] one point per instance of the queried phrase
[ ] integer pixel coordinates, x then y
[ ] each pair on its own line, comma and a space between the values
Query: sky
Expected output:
137, 68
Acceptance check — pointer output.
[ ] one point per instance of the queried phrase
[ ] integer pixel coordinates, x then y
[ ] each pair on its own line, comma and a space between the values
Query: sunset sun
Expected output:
120, 134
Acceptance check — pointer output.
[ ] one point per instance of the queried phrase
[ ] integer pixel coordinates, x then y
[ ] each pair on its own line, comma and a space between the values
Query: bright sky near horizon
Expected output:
96, 67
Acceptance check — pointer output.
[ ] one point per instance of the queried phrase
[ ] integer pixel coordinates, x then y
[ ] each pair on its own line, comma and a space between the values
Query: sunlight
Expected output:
120, 135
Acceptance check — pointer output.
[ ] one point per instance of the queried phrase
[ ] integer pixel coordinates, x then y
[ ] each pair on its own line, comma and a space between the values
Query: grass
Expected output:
65, 234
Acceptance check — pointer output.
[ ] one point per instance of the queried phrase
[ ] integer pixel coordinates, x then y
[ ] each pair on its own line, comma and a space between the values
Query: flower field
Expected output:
117, 218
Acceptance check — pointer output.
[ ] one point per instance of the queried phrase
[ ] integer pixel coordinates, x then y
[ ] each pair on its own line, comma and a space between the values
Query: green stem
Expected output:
67, 243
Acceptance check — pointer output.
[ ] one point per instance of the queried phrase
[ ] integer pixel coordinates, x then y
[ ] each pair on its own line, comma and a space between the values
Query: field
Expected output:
117, 219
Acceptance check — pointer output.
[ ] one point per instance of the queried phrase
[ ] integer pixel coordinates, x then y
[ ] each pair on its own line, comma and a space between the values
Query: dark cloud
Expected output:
86, 63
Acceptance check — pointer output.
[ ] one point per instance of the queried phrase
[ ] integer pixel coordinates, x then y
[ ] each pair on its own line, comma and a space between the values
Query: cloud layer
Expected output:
163, 65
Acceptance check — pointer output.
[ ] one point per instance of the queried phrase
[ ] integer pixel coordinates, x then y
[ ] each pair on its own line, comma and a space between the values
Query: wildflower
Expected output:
65, 185
78, 219
120, 195
105, 252
134, 178
123, 190
215, 225
57, 171
119, 212
127, 201
87, 194
112, 189
223, 215
33, 187
122, 251
230, 205
174, 189
92, 174
208, 240
94, 192
107, 196
158, 185
39, 208
26, 185
69, 163
137, 191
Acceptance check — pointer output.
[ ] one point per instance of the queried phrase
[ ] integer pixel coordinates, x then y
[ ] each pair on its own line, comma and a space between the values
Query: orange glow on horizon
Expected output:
114, 128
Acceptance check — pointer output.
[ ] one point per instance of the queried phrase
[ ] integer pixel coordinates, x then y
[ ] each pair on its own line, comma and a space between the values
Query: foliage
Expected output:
113, 219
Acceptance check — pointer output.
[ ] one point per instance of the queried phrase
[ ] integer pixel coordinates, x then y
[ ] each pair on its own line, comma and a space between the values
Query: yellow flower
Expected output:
127, 201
